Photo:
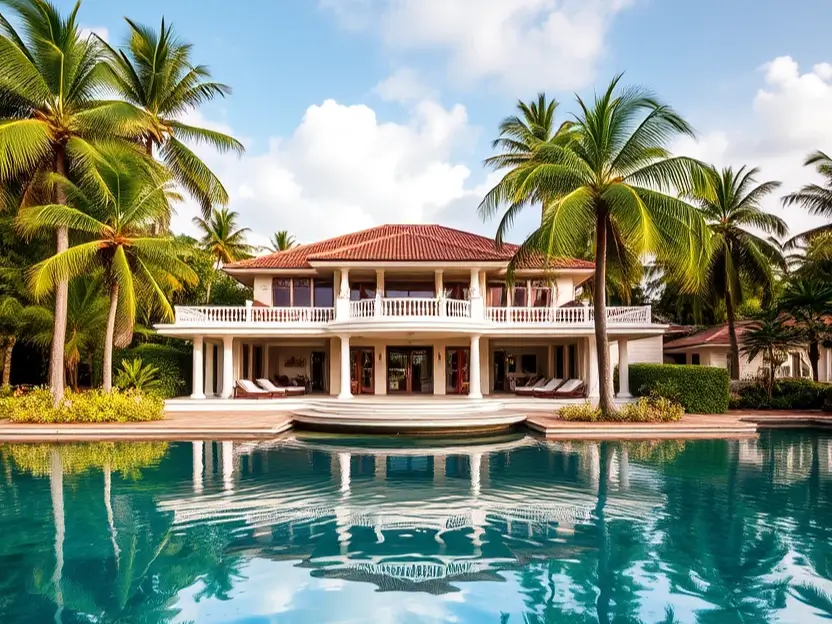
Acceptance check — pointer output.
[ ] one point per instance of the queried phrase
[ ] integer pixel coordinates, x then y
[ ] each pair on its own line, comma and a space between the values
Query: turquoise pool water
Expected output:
509, 530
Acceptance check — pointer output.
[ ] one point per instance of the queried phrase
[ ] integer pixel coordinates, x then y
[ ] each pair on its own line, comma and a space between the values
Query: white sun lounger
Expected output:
548, 387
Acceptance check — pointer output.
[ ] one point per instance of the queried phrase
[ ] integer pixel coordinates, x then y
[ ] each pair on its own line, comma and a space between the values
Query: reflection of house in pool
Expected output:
416, 519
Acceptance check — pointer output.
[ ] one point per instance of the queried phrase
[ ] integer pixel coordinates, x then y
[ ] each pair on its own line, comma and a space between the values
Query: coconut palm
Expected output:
154, 71
223, 240
281, 241
815, 198
740, 259
808, 302
50, 118
769, 337
614, 183
114, 213
519, 136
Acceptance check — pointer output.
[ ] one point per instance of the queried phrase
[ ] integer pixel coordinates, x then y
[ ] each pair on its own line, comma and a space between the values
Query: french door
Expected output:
410, 370
362, 370
457, 366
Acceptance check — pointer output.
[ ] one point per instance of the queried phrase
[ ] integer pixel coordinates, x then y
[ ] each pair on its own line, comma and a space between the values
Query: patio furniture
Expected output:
291, 389
247, 389
270, 387
571, 389
548, 388
529, 388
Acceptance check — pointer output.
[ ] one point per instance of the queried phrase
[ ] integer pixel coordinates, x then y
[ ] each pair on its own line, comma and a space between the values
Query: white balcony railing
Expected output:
233, 315
422, 308
578, 315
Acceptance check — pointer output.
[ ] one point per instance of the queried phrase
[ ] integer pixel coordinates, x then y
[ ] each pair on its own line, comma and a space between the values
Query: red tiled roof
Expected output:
400, 243
711, 337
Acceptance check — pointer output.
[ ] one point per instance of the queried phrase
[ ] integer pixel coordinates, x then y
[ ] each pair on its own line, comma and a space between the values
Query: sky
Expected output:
356, 113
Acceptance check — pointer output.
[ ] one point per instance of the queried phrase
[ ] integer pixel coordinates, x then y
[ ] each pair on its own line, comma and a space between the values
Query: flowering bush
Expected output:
93, 406
583, 412
646, 409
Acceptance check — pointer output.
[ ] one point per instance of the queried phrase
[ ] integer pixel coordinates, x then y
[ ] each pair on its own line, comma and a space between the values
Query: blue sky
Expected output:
358, 112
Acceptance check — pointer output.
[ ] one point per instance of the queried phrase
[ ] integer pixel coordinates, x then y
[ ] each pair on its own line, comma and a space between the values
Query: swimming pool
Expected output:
508, 529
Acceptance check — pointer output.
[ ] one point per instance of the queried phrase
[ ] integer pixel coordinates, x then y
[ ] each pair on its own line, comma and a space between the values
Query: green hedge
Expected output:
786, 394
699, 389
174, 365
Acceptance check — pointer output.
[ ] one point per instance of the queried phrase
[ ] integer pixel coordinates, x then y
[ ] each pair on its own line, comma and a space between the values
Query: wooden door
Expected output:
362, 370
457, 360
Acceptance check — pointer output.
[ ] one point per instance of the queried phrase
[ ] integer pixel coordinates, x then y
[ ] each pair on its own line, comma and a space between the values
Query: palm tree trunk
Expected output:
7, 362
605, 402
108, 339
772, 372
814, 357
56, 358
211, 282
732, 335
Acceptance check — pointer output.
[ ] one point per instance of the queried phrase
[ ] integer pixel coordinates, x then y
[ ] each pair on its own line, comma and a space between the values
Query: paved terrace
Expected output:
231, 425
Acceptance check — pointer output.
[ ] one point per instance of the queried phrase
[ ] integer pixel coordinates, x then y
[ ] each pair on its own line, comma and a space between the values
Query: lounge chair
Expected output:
528, 389
572, 389
284, 383
548, 388
268, 386
246, 389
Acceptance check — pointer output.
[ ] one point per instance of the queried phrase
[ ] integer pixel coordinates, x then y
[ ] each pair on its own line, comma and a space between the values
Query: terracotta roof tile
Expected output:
400, 243
711, 337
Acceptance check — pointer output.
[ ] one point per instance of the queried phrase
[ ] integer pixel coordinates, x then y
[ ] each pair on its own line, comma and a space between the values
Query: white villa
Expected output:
407, 309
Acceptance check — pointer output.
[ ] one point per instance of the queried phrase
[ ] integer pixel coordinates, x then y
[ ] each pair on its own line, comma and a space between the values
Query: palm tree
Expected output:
155, 72
519, 137
815, 198
740, 259
613, 183
50, 118
808, 302
281, 241
770, 337
115, 212
223, 240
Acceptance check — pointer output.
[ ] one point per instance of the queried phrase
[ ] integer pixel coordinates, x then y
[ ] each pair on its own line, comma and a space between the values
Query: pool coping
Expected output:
182, 426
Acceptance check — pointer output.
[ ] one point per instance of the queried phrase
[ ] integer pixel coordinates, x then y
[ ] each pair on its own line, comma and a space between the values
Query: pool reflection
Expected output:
507, 529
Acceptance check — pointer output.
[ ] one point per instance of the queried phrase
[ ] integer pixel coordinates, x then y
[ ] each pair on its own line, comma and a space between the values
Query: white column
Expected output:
266, 372
342, 301
477, 311
475, 392
379, 290
198, 371
550, 361
593, 388
823, 364
346, 391
228, 465
227, 367
199, 466
623, 371
209, 368
439, 290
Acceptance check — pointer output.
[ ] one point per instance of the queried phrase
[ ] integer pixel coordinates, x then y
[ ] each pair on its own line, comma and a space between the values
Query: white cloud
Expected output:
521, 44
788, 118
403, 85
343, 169
101, 31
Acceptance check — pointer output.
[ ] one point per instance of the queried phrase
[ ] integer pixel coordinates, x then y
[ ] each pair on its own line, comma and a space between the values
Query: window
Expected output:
324, 295
405, 290
360, 291
496, 295
559, 368
520, 293
301, 293
457, 291
694, 359
282, 293
541, 294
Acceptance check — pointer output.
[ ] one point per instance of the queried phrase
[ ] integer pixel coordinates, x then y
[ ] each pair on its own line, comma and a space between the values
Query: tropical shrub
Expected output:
699, 389
827, 402
172, 364
655, 451
583, 412
136, 375
94, 406
786, 394
651, 409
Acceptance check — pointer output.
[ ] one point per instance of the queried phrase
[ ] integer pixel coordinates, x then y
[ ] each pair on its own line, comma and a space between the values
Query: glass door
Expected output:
457, 371
398, 368
410, 369
362, 370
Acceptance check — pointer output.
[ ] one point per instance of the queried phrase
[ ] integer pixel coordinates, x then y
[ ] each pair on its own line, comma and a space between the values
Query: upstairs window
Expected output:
457, 291
282, 293
301, 293
497, 293
324, 294
359, 291
520, 295
541, 294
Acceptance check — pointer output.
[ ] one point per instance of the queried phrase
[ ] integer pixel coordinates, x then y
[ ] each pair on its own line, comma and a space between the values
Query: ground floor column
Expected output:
198, 371
199, 465
823, 364
474, 373
209, 368
227, 367
592, 385
228, 465
346, 391
623, 371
